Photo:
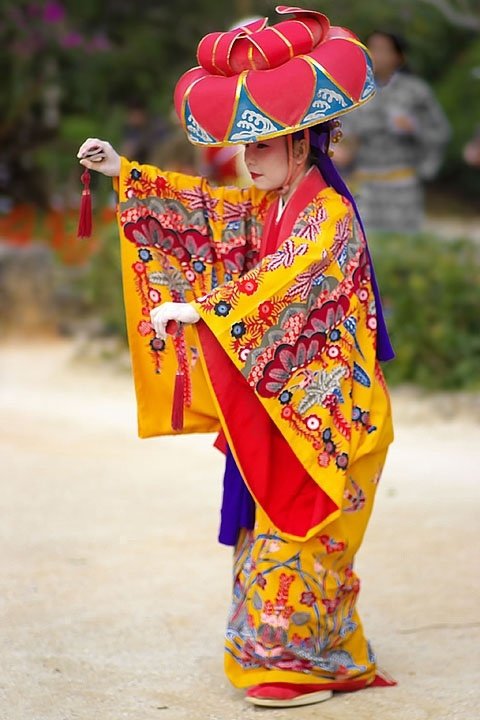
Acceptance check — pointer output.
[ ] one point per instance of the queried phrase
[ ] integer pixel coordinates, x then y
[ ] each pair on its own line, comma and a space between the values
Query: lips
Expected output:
254, 175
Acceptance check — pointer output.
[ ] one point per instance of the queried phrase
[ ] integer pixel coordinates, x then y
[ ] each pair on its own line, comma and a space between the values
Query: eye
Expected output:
261, 145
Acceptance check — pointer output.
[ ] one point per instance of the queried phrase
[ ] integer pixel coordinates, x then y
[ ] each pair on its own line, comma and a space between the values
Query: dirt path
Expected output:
113, 590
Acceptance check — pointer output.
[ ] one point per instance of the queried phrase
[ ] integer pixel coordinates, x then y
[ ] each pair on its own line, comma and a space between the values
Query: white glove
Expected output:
99, 155
180, 312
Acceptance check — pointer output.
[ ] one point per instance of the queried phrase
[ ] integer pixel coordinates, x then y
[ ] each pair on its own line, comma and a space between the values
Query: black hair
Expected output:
398, 42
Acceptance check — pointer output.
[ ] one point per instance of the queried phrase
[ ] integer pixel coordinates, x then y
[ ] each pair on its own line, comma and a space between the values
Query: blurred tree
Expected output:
462, 13
37, 40
70, 68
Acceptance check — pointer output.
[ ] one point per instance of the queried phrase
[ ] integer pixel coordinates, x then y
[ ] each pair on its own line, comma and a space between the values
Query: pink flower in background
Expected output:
53, 12
33, 10
72, 40
99, 43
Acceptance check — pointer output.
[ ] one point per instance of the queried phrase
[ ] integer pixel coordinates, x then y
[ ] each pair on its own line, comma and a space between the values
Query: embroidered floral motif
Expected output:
287, 360
287, 615
300, 325
304, 282
355, 497
199, 199
311, 223
332, 545
285, 256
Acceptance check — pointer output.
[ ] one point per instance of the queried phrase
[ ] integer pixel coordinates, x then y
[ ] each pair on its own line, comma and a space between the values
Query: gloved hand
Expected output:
99, 155
179, 312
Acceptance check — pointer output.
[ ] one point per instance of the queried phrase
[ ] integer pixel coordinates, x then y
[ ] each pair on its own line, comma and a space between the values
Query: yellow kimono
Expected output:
283, 362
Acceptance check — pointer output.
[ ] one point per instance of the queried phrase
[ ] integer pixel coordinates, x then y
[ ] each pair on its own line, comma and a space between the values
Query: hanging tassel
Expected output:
178, 402
174, 328
85, 220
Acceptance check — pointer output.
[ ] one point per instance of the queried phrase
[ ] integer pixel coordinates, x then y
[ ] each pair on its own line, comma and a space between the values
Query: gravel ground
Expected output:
114, 591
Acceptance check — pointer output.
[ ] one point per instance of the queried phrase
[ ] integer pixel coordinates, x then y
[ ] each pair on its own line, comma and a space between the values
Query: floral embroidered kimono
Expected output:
283, 364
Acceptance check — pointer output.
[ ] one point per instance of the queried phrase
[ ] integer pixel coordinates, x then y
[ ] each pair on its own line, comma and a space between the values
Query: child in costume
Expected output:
276, 344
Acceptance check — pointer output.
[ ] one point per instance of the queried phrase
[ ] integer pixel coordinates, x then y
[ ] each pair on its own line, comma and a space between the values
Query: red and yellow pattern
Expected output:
241, 90
289, 341
284, 362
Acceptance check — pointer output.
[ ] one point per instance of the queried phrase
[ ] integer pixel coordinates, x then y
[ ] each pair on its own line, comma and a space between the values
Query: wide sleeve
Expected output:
180, 238
300, 331
192, 221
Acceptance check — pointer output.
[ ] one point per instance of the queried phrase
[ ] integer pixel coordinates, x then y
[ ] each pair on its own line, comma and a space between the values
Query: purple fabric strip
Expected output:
319, 143
238, 506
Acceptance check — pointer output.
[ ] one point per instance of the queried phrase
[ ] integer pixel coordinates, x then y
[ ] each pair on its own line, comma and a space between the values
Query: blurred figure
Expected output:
175, 153
471, 151
142, 132
224, 166
394, 143
156, 140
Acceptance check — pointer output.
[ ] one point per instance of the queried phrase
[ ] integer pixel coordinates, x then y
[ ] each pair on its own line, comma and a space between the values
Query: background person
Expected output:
394, 143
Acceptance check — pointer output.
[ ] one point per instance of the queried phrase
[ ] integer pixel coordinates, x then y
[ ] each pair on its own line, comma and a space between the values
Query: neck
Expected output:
295, 183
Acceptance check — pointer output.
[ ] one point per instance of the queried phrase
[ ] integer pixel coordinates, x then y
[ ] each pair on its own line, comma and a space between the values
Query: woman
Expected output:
278, 335
395, 143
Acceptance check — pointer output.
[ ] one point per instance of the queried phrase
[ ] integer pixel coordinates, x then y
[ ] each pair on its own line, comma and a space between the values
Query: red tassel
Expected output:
172, 327
178, 402
85, 220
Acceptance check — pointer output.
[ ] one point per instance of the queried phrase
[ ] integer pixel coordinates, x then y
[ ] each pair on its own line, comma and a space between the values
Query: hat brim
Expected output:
332, 80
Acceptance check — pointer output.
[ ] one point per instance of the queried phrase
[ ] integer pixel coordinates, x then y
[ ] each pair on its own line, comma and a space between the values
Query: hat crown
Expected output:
258, 46
256, 82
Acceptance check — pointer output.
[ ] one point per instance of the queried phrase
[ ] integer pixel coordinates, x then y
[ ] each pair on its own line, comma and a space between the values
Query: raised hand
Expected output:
99, 155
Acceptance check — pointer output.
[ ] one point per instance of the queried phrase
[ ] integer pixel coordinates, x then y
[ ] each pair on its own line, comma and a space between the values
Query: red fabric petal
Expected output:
345, 62
271, 90
183, 84
212, 102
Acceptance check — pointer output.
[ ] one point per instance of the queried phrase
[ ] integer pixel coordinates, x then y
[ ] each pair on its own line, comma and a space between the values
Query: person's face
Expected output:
386, 59
267, 163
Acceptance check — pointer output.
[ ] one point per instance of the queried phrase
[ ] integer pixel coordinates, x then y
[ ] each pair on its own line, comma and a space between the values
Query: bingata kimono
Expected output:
283, 366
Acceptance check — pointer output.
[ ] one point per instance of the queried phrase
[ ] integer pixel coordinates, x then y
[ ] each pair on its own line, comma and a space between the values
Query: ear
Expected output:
300, 151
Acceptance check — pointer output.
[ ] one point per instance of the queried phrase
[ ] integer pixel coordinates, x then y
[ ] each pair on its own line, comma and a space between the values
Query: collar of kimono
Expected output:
275, 232
310, 185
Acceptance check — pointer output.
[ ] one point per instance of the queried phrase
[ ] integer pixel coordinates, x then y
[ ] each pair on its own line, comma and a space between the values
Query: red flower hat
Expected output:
259, 81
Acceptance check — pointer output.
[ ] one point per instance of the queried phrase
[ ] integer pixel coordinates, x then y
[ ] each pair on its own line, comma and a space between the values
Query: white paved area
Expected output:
113, 590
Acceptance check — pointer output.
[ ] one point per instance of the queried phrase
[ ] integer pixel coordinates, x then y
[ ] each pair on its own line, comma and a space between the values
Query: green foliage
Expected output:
459, 93
71, 71
430, 289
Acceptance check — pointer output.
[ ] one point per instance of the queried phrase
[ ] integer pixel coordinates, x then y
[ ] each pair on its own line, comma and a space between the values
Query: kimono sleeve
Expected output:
180, 238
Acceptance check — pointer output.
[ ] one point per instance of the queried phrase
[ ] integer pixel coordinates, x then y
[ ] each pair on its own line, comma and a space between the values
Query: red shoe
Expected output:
286, 694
